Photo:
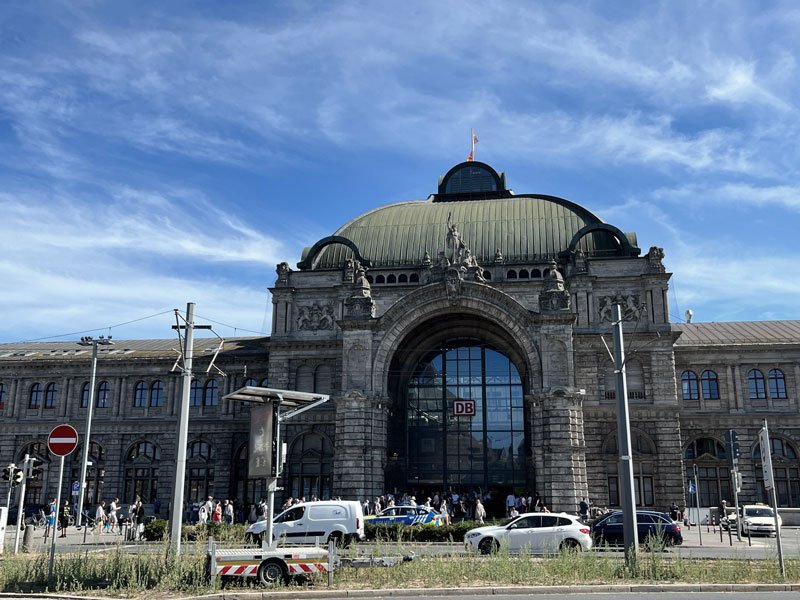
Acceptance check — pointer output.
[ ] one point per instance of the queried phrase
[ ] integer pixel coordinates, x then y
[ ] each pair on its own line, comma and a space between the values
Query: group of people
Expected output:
107, 518
214, 511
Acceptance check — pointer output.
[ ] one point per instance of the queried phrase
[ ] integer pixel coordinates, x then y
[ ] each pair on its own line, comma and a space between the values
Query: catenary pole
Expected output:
183, 431
87, 436
630, 533
21, 509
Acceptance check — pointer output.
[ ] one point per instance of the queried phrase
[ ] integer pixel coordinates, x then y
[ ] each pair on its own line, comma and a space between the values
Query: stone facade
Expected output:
357, 324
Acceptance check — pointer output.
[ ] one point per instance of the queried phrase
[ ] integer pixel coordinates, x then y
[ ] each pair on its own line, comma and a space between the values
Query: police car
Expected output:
405, 515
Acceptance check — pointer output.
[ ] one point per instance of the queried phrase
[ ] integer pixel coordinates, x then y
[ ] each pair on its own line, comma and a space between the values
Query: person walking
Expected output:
63, 518
50, 527
113, 517
216, 516
139, 519
227, 512
583, 508
480, 512
99, 518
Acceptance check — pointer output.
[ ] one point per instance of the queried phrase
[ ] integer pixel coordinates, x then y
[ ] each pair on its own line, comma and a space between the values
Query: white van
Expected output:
312, 522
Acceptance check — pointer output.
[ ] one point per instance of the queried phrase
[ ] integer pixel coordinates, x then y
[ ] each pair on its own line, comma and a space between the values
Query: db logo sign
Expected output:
463, 408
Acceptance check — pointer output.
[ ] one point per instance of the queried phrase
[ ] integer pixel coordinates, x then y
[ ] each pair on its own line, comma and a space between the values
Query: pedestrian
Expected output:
445, 513
511, 502
157, 508
202, 515
674, 511
99, 517
227, 510
583, 508
63, 518
513, 512
216, 516
480, 512
139, 519
50, 528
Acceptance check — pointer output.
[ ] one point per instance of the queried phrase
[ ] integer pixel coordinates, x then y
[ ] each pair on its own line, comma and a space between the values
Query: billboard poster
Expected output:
261, 432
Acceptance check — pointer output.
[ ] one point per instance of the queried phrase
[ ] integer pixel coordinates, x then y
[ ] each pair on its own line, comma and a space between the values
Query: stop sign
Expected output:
62, 440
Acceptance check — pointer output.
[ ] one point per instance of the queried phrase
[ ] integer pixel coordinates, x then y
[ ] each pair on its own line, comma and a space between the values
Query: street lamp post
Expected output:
88, 341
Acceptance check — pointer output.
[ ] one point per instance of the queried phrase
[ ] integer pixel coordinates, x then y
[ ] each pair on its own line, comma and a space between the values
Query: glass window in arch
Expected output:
706, 447
755, 385
3, 393
199, 449
103, 394
157, 394
50, 395
689, 386
710, 385
196, 393
85, 395
140, 395
777, 384
211, 393
36, 396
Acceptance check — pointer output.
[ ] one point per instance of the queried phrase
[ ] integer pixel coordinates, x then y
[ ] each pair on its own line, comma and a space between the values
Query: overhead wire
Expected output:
84, 331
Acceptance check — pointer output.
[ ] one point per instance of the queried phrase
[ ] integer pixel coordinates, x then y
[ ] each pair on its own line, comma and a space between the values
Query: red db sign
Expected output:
463, 408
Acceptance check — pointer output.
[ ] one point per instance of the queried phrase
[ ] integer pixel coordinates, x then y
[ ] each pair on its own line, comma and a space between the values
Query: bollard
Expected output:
730, 535
27, 539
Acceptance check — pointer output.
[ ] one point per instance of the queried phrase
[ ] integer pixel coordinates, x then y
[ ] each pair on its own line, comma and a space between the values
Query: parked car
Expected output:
312, 522
405, 515
532, 533
758, 519
651, 526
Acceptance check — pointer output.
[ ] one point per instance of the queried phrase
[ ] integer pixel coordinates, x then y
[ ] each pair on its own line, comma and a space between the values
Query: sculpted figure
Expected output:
455, 244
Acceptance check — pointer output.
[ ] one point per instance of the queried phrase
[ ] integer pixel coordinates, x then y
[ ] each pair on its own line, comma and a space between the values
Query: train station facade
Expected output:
464, 341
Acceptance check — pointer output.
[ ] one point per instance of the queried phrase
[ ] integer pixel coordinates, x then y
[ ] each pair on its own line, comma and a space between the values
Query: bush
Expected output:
418, 533
156, 530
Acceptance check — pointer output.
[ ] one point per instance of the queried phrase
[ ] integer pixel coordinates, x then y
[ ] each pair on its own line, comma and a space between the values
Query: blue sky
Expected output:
156, 153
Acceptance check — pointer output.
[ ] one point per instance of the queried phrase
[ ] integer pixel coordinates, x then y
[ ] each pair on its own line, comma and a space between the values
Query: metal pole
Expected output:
697, 502
774, 498
629, 527
85, 457
21, 509
272, 482
736, 499
58, 508
183, 431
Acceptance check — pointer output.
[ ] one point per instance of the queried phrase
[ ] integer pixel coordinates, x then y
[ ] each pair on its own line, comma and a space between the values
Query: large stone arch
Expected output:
499, 311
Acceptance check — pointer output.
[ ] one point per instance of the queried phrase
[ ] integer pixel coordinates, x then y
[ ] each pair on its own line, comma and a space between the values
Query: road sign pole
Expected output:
21, 508
58, 508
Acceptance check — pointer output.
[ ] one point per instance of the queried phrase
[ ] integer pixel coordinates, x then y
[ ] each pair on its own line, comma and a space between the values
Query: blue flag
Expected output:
692, 488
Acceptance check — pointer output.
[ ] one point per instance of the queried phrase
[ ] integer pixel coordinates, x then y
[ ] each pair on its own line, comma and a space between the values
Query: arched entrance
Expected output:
458, 420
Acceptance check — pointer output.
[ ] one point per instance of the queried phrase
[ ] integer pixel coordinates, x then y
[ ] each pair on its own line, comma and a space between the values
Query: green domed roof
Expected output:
525, 228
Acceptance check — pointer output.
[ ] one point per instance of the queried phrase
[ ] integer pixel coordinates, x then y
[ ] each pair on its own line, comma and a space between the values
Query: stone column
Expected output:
360, 446
558, 449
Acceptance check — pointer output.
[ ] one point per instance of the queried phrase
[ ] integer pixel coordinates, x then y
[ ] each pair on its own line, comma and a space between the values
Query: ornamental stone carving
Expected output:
554, 295
283, 271
631, 307
315, 317
359, 305
654, 257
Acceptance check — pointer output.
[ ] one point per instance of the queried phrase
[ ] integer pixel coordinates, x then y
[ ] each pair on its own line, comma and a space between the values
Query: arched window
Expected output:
512, 274
481, 450
323, 379
487, 275
755, 384
391, 279
380, 279
211, 393
103, 395
156, 394
141, 471
645, 455
402, 278
3, 394
250, 383
140, 395
689, 386
200, 472
310, 467
50, 395
305, 379
247, 490
36, 396
523, 274
265, 382
413, 279
369, 278
777, 385
196, 393
786, 471
85, 395
536, 273
710, 385
713, 472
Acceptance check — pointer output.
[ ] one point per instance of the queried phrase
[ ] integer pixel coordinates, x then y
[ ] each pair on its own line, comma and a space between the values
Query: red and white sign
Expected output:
62, 440
463, 408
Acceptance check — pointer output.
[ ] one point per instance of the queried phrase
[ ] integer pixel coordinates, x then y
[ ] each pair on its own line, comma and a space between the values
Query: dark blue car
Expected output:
651, 526
405, 515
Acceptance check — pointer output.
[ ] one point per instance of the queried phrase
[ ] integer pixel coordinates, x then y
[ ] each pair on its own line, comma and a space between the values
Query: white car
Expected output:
531, 533
759, 518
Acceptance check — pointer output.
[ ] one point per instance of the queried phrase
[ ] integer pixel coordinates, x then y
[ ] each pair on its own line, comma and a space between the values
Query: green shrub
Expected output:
156, 530
418, 533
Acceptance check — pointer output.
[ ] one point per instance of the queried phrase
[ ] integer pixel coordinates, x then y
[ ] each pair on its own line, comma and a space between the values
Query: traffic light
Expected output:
34, 471
8, 472
732, 438
18, 476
